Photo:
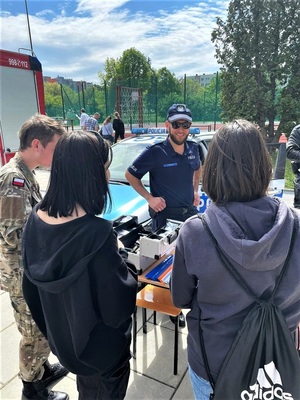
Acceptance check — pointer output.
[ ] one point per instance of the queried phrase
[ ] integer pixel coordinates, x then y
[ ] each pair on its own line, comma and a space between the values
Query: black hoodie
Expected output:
79, 291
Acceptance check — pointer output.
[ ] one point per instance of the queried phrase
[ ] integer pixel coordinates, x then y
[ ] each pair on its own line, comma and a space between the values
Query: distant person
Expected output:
107, 130
19, 192
92, 124
253, 230
78, 288
83, 118
293, 154
118, 126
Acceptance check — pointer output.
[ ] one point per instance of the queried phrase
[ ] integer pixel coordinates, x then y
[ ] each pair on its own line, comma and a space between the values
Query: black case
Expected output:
129, 230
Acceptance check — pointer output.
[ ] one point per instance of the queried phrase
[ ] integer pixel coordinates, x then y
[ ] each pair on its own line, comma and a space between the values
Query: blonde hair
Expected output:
107, 119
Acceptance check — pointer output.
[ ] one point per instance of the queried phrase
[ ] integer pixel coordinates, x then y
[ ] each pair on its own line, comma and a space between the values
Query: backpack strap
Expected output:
205, 360
236, 275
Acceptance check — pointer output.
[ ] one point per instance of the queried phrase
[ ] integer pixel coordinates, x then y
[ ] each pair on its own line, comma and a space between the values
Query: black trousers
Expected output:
297, 191
110, 386
181, 214
118, 135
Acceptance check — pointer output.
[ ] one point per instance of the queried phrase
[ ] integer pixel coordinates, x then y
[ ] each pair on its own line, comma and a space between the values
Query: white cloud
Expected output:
96, 6
77, 45
45, 13
4, 14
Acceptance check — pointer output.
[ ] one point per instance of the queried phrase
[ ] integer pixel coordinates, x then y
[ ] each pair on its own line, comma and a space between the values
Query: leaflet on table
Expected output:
165, 276
160, 269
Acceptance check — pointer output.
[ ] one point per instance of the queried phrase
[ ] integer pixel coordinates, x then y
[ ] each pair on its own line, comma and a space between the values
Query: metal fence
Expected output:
138, 107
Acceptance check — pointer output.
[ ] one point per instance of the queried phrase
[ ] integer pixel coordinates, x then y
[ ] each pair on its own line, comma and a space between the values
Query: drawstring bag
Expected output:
262, 362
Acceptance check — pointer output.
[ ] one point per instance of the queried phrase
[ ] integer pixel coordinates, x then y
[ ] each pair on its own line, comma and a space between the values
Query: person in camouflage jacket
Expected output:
19, 192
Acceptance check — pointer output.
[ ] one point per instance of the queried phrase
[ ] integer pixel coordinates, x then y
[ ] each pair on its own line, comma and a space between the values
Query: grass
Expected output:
289, 176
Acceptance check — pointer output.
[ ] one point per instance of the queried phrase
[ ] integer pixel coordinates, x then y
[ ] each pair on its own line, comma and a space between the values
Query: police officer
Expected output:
19, 192
174, 167
293, 153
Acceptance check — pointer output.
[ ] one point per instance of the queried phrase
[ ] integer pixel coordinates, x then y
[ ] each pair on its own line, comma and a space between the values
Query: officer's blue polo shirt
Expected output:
171, 174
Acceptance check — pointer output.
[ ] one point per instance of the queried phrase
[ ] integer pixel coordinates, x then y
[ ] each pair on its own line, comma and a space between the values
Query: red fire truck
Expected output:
22, 95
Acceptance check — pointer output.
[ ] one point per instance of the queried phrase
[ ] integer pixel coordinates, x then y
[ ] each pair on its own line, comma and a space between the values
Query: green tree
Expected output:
134, 69
289, 105
110, 68
202, 99
69, 101
95, 100
64, 101
194, 96
253, 48
160, 87
53, 99
167, 86
167, 82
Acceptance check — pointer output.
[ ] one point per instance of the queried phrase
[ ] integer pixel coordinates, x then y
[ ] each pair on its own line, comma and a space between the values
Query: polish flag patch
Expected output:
18, 182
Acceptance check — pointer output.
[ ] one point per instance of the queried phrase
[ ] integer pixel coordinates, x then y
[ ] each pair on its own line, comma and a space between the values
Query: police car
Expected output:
126, 201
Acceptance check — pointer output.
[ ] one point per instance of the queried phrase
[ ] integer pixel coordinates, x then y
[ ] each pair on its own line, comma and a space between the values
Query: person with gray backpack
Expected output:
236, 267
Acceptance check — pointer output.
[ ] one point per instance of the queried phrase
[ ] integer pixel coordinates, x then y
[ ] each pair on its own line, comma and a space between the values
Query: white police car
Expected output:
126, 201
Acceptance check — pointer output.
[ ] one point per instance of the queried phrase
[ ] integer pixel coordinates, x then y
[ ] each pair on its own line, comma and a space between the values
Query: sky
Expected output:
72, 39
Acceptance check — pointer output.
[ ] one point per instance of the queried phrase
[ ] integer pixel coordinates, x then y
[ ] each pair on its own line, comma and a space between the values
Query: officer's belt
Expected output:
178, 210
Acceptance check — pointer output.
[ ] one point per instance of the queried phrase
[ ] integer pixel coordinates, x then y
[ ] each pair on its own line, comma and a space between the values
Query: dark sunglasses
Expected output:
177, 125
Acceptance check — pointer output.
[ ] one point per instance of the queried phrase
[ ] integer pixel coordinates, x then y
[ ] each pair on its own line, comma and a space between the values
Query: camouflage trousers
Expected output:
34, 349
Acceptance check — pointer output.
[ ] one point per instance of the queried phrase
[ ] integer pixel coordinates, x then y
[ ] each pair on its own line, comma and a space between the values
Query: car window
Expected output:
124, 153
123, 156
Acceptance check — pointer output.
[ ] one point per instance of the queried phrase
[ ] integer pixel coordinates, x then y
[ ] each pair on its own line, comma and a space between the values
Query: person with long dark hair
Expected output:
77, 285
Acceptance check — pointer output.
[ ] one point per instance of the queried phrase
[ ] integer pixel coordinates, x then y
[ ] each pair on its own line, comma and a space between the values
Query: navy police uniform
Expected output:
171, 177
